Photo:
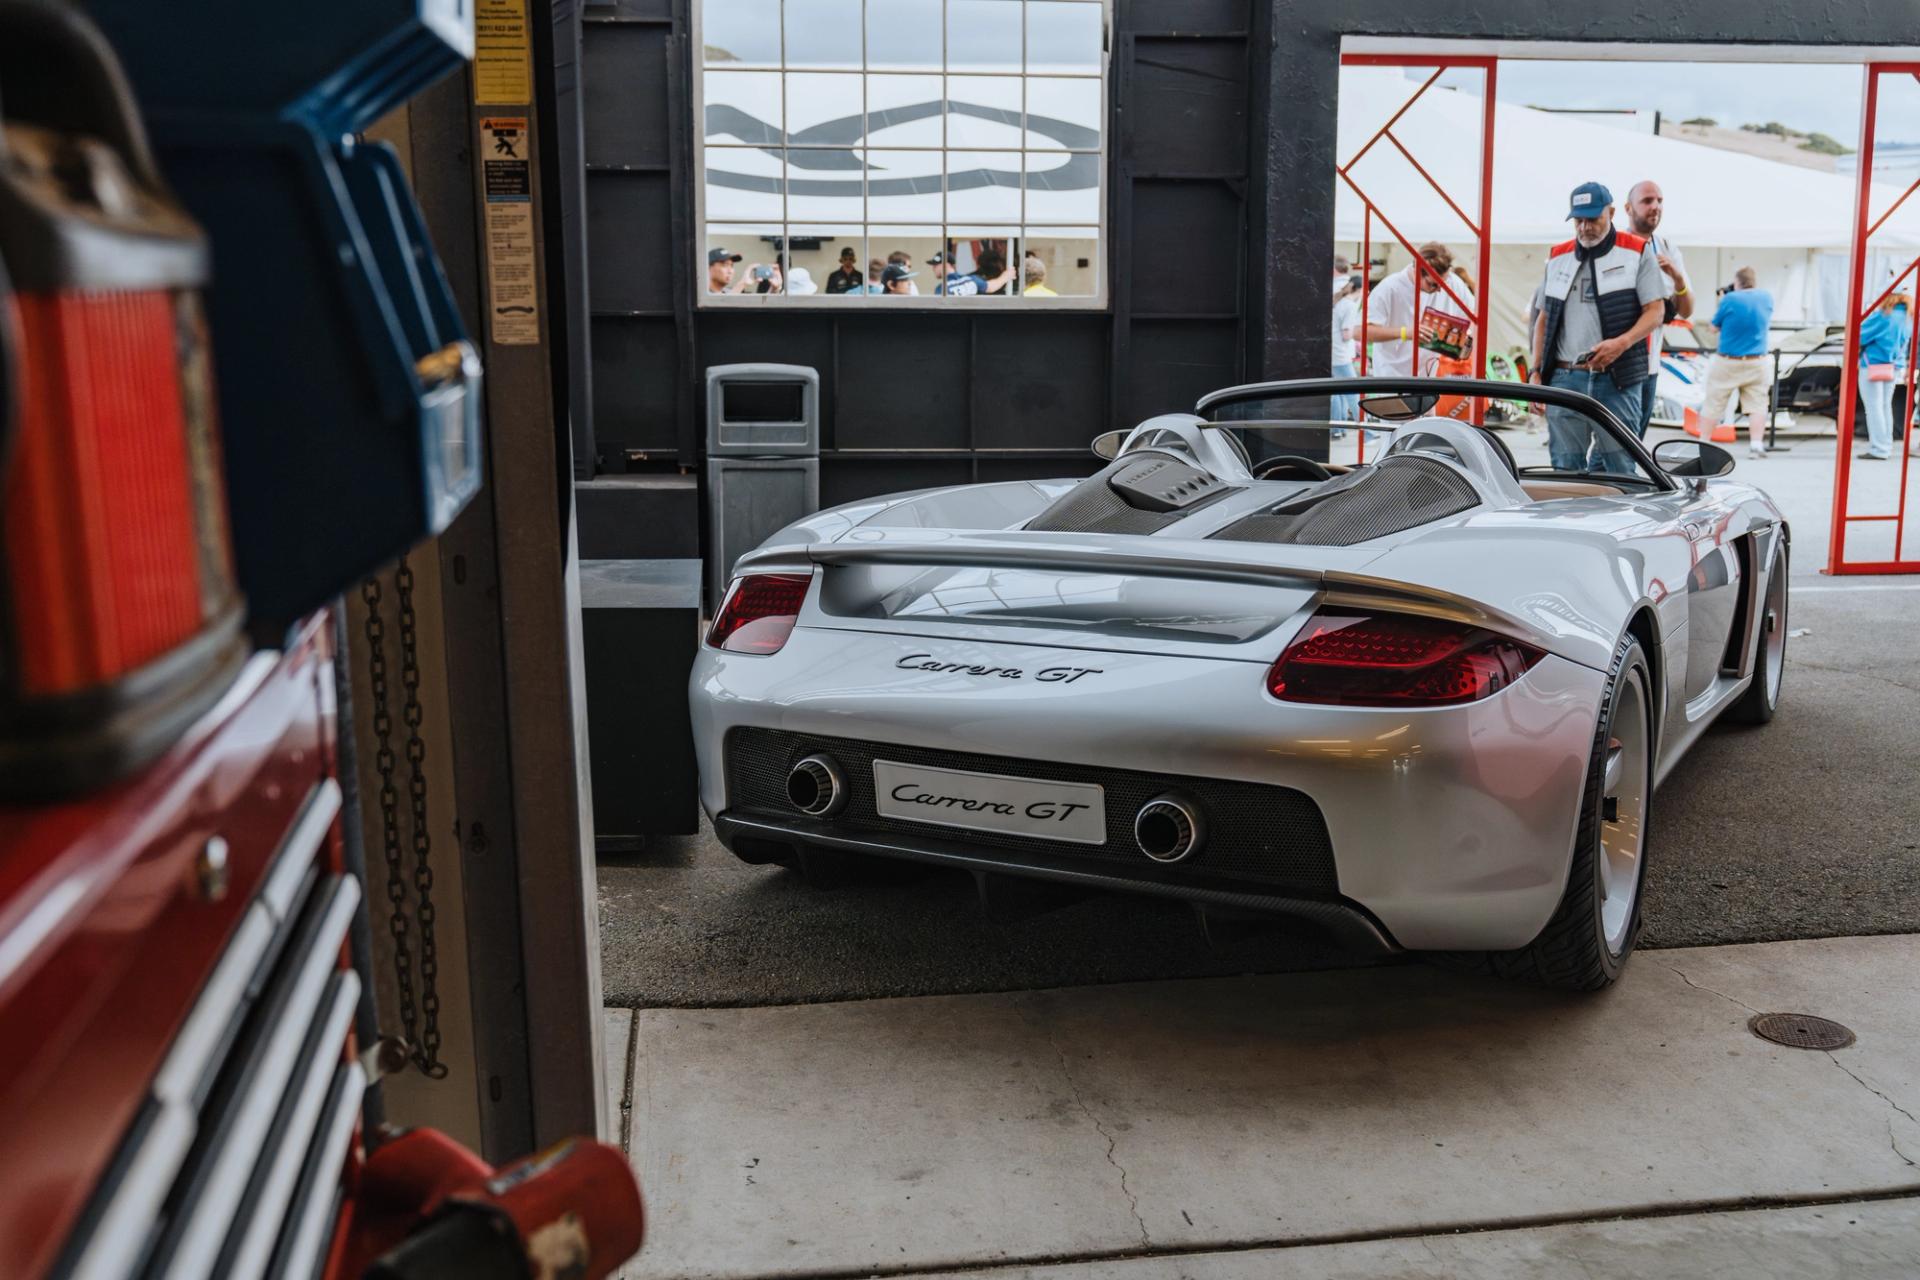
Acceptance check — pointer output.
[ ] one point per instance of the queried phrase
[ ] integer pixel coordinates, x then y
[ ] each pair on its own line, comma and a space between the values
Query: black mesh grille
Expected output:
1400, 492
1273, 835
1093, 506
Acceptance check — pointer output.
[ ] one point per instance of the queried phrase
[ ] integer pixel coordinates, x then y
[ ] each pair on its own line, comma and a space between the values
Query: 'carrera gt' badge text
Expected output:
1045, 675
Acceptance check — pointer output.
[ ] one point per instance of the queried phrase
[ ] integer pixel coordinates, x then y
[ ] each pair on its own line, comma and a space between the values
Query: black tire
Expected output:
1571, 952
1762, 698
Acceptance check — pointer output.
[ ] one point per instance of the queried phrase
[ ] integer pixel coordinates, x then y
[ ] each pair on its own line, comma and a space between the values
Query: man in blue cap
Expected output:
1601, 298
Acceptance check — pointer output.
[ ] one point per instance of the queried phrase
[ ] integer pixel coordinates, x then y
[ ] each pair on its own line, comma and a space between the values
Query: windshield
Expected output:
1544, 432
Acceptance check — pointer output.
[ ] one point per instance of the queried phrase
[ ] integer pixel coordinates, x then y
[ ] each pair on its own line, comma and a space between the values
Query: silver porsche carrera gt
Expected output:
1421, 702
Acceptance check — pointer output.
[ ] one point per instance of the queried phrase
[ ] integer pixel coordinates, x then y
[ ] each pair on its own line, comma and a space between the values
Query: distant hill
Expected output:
1809, 151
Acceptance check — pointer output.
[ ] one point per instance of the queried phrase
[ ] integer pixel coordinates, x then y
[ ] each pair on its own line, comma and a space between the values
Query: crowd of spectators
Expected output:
895, 276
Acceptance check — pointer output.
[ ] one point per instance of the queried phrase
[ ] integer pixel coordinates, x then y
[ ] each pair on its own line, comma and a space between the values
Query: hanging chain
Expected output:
422, 1033
389, 803
427, 1058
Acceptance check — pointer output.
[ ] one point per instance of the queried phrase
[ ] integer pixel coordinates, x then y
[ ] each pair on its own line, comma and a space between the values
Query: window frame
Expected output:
1100, 300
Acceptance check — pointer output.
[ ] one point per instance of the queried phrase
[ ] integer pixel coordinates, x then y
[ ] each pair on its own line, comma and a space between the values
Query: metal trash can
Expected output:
763, 459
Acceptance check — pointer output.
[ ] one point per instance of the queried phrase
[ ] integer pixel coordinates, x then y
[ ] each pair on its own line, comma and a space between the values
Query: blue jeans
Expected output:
1879, 399
1571, 434
1345, 408
1649, 392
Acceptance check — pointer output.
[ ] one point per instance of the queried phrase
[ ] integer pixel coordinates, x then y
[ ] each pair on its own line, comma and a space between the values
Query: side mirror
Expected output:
1106, 446
1692, 459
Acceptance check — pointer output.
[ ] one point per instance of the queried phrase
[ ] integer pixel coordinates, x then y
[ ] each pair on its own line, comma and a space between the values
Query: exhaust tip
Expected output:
1168, 829
816, 788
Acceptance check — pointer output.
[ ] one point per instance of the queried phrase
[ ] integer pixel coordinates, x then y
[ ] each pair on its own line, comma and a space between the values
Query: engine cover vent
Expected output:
1140, 493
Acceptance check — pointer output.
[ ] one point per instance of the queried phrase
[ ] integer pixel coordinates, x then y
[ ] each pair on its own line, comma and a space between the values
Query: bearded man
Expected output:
1601, 298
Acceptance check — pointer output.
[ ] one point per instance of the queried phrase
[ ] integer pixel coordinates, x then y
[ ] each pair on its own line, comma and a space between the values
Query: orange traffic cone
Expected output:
1723, 433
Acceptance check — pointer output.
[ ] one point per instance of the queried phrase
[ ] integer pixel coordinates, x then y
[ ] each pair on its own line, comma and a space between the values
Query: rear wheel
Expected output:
1762, 698
1593, 931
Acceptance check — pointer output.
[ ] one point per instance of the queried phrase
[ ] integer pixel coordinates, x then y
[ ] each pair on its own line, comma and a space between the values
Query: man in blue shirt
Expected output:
1741, 364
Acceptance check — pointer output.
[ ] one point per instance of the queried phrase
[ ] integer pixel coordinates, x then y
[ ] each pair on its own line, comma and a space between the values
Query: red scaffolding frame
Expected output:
1481, 228
1837, 561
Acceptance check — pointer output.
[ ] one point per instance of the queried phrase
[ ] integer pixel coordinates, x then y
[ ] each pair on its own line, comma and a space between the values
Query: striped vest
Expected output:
1614, 267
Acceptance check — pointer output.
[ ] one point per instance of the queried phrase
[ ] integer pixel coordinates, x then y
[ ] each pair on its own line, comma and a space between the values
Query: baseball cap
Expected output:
721, 255
847, 252
1589, 200
936, 259
894, 272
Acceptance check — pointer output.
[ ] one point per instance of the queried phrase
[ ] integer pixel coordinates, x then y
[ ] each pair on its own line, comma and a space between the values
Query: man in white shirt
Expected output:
1390, 319
1646, 204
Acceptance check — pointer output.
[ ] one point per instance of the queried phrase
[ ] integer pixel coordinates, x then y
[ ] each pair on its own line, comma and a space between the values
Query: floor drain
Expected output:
1800, 1030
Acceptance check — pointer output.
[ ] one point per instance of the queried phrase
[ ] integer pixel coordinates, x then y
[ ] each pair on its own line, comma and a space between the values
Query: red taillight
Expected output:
758, 613
1396, 660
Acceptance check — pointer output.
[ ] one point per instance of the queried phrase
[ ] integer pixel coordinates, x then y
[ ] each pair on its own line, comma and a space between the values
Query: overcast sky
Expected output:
1823, 99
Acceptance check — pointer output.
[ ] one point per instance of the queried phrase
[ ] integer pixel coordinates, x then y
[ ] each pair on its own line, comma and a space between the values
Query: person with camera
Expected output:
1600, 299
720, 272
1740, 365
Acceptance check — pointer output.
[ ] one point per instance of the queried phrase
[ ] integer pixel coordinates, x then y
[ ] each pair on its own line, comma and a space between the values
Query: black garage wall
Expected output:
1013, 394
1221, 152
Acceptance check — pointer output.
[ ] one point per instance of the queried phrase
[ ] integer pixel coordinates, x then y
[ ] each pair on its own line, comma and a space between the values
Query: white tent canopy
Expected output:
1724, 209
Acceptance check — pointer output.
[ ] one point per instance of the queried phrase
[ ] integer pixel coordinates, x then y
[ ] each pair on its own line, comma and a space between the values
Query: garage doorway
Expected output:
1852, 517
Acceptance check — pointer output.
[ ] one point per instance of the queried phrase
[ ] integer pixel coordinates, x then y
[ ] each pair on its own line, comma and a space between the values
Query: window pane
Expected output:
825, 186
903, 186
756, 243
1063, 188
980, 257
982, 185
1068, 258
983, 35
983, 111
743, 183
904, 111
823, 33
904, 34
823, 109
1063, 37
813, 257
741, 32
917, 243
743, 106
1063, 113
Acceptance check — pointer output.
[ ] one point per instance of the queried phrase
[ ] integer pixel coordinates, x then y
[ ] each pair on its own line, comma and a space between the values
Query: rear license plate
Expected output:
1070, 811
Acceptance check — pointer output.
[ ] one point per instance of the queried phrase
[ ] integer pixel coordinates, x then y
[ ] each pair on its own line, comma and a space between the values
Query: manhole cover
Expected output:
1800, 1030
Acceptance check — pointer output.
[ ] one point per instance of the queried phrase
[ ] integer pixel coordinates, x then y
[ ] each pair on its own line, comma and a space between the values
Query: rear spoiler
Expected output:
1245, 563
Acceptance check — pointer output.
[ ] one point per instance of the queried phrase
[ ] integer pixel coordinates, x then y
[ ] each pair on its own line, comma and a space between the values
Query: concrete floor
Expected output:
1100, 1124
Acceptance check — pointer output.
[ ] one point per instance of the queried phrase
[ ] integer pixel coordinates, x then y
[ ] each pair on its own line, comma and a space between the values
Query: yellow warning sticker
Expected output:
513, 280
502, 54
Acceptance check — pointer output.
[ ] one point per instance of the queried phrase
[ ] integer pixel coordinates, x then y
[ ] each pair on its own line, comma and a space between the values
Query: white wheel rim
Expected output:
1623, 815
1773, 636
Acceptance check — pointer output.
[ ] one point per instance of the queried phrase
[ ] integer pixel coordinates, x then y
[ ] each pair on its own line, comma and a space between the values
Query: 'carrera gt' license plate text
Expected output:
1071, 811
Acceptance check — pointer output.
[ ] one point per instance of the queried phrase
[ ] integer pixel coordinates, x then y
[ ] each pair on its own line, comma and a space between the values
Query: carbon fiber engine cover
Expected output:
1397, 493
